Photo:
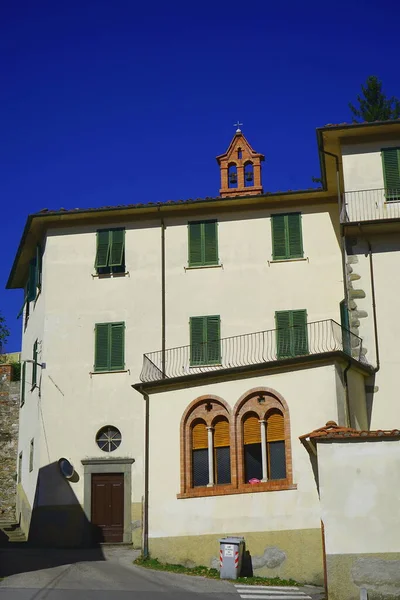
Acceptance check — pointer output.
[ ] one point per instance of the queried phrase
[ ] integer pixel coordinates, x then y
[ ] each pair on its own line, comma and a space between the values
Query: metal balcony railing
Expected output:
319, 337
370, 205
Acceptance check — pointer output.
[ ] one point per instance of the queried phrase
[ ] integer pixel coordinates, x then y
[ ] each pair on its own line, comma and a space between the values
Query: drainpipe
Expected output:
145, 535
163, 297
347, 395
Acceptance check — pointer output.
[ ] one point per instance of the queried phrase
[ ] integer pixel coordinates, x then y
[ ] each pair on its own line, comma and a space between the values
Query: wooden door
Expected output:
108, 507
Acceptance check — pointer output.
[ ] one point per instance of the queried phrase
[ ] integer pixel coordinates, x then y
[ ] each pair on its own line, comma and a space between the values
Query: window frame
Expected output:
119, 268
31, 451
34, 365
203, 262
288, 255
109, 368
395, 195
208, 409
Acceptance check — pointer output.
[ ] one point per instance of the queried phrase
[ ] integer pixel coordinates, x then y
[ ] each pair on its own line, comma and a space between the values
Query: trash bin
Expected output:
230, 557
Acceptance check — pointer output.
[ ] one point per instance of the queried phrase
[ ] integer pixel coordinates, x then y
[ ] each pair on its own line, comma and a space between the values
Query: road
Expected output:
106, 574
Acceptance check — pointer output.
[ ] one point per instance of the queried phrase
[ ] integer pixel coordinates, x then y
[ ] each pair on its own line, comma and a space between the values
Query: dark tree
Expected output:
4, 333
374, 104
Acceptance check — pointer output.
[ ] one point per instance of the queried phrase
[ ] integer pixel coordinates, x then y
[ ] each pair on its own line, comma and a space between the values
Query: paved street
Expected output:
108, 574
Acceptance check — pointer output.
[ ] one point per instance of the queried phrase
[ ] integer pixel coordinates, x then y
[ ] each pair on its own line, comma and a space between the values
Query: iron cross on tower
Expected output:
238, 130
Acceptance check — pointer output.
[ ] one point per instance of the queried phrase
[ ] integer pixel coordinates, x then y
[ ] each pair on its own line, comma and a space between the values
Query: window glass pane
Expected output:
277, 461
223, 464
200, 467
252, 461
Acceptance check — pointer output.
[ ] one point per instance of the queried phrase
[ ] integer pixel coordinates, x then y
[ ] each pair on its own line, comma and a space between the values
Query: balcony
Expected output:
370, 205
260, 348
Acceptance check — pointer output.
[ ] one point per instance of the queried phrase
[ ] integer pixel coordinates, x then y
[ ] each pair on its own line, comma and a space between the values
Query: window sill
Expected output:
203, 366
285, 260
219, 266
109, 275
276, 485
91, 373
394, 201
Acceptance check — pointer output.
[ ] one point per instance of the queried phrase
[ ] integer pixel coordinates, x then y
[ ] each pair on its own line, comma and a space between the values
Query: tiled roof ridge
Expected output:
334, 431
344, 124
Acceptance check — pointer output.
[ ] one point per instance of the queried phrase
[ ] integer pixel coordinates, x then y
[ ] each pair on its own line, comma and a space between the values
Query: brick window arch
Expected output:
223, 449
264, 456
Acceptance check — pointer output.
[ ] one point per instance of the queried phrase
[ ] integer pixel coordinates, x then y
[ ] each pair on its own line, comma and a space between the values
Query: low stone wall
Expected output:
9, 414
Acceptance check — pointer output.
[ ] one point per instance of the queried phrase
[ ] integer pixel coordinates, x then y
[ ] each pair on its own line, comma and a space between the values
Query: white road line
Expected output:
267, 596
270, 588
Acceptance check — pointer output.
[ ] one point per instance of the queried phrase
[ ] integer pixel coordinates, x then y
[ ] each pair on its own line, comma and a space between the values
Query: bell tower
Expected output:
240, 168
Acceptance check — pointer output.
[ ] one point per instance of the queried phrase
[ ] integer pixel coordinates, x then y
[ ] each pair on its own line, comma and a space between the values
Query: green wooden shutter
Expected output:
117, 360
101, 362
38, 266
391, 172
299, 332
34, 364
210, 240
282, 319
32, 282
116, 258
345, 322
279, 250
213, 346
294, 235
23, 375
103, 248
195, 244
197, 341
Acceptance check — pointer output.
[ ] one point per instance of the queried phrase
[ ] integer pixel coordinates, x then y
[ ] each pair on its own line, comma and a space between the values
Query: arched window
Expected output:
232, 176
248, 174
200, 475
239, 154
252, 454
276, 445
222, 451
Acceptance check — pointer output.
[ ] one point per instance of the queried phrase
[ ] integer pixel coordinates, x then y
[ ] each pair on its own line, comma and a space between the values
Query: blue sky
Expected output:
108, 102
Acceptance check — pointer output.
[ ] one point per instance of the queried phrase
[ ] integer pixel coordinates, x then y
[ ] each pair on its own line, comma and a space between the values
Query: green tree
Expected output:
374, 105
4, 333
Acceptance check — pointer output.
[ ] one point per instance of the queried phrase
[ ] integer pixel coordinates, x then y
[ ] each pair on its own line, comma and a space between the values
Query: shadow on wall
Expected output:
58, 524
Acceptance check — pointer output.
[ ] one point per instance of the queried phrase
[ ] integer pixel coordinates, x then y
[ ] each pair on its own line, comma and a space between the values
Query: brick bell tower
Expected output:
240, 168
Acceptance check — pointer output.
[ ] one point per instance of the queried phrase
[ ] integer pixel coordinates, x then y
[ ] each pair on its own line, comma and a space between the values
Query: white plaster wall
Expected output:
30, 422
311, 398
359, 503
362, 164
247, 290
357, 399
386, 259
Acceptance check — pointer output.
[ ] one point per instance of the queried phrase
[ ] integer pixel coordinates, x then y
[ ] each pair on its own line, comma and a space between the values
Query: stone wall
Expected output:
9, 413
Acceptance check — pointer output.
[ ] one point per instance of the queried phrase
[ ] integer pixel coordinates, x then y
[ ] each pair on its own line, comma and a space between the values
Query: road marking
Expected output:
265, 592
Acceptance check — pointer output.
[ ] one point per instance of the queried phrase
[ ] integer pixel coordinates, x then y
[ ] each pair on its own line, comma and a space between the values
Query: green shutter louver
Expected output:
38, 267
197, 341
205, 344
117, 248
299, 337
23, 375
210, 243
294, 234
278, 237
34, 364
32, 282
213, 350
109, 347
282, 319
286, 236
103, 248
391, 172
117, 331
203, 243
291, 333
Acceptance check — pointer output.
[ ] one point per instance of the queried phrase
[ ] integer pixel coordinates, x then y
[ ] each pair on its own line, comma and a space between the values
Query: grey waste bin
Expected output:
230, 557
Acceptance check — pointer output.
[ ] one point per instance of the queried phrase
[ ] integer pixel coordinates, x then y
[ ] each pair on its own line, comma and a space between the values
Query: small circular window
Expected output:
108, 438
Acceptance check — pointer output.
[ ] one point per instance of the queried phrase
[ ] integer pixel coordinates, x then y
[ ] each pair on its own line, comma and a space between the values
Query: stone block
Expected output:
356, 293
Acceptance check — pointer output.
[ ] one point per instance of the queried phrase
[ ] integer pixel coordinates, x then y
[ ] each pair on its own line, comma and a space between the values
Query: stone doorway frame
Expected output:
104, 466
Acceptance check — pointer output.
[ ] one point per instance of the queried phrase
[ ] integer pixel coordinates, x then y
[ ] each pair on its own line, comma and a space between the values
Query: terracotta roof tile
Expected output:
333, 431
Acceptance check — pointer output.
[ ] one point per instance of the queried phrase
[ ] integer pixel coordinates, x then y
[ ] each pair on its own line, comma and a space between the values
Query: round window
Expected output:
108, 438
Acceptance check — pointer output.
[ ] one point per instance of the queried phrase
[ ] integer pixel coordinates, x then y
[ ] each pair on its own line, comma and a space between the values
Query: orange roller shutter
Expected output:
251, 430
199, 436
221, 434
275, 427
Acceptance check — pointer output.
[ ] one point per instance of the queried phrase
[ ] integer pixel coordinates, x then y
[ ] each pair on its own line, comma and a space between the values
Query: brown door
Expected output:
108, 507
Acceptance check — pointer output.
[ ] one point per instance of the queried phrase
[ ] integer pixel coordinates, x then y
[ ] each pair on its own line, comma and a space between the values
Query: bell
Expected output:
233, 178
249, 176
